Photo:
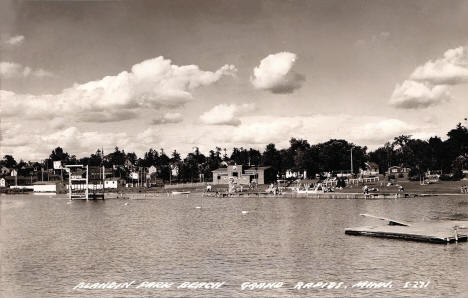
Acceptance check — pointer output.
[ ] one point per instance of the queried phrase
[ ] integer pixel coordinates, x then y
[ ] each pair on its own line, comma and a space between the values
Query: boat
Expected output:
180, 192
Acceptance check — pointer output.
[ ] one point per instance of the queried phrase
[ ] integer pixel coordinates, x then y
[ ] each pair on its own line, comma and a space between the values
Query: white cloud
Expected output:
106, 116
452, 69
381, 131
58, 123
16, 70
275, 74
167, 118
254, 131
40, 73
153, 84
430, 84
15, 40
263, 132
18, 140
371, 131
414, 95
10, 69
226, 114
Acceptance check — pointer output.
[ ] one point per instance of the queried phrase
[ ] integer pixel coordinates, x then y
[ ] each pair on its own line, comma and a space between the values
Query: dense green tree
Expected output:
117, 158
449, 156
59, 155
8, 161
272, 157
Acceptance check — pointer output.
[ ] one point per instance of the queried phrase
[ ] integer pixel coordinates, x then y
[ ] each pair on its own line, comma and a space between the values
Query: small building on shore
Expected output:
49, 186
239, 174
114, 183
4, 171
395, 170
371, 169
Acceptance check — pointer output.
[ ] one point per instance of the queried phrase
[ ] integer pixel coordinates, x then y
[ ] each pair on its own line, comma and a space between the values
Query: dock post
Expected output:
69, 185
87, 187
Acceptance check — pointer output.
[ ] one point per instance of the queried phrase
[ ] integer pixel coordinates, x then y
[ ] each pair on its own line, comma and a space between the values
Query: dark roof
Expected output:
46, 182
372, 164
256, 168
245, 169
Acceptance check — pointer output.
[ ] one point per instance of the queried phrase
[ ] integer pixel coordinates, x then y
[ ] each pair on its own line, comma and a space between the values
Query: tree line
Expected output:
447, 157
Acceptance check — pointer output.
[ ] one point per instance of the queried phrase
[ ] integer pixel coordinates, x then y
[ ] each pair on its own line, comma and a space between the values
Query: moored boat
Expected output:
180, 192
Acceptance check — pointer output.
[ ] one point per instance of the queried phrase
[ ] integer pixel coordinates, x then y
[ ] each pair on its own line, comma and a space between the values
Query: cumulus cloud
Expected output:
254, 131
152, 84
275, 74
371, 131
226, 114
19, 139
381, 131
16, 70
430, 84
58, 123
167, 118
106, 116
263, 132
15, 40
414, 95
452, 69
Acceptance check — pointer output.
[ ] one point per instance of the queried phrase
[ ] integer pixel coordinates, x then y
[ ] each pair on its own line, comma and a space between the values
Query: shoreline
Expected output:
411, 189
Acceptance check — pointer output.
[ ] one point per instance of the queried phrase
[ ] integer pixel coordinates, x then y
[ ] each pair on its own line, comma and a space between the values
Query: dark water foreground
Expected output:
50, 245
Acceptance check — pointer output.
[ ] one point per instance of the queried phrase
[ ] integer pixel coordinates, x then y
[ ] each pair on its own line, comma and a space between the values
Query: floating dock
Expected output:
446, 231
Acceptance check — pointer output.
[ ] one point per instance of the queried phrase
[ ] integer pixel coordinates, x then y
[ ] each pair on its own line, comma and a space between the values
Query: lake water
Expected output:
49, 245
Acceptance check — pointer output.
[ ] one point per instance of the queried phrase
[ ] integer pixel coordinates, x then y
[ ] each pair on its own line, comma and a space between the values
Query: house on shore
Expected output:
399, 172
243, 175
114, 183
4, 171
19, 180
371, 169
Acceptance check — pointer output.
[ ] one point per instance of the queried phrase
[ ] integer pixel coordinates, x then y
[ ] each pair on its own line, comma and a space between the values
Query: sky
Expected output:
177, 74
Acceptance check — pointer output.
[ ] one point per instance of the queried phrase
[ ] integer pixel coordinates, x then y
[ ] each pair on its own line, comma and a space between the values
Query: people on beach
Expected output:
365, 190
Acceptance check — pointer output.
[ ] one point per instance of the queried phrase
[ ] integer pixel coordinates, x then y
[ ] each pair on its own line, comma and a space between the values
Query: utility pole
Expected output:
352, 160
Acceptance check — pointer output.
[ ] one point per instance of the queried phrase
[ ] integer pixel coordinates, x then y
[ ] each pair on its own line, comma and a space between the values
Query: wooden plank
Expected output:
432, 231
391, 222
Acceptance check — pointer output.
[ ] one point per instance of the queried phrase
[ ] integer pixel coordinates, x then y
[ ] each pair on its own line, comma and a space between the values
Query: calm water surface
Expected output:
49, 245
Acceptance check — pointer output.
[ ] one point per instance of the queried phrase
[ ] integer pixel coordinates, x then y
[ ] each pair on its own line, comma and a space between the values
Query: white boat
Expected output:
180, 192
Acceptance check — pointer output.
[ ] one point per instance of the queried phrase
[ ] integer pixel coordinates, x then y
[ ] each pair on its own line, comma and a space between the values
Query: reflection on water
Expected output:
49, 245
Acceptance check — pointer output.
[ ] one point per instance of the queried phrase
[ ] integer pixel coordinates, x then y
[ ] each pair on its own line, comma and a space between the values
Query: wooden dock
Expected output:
446, 231
78, 184
324, 195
